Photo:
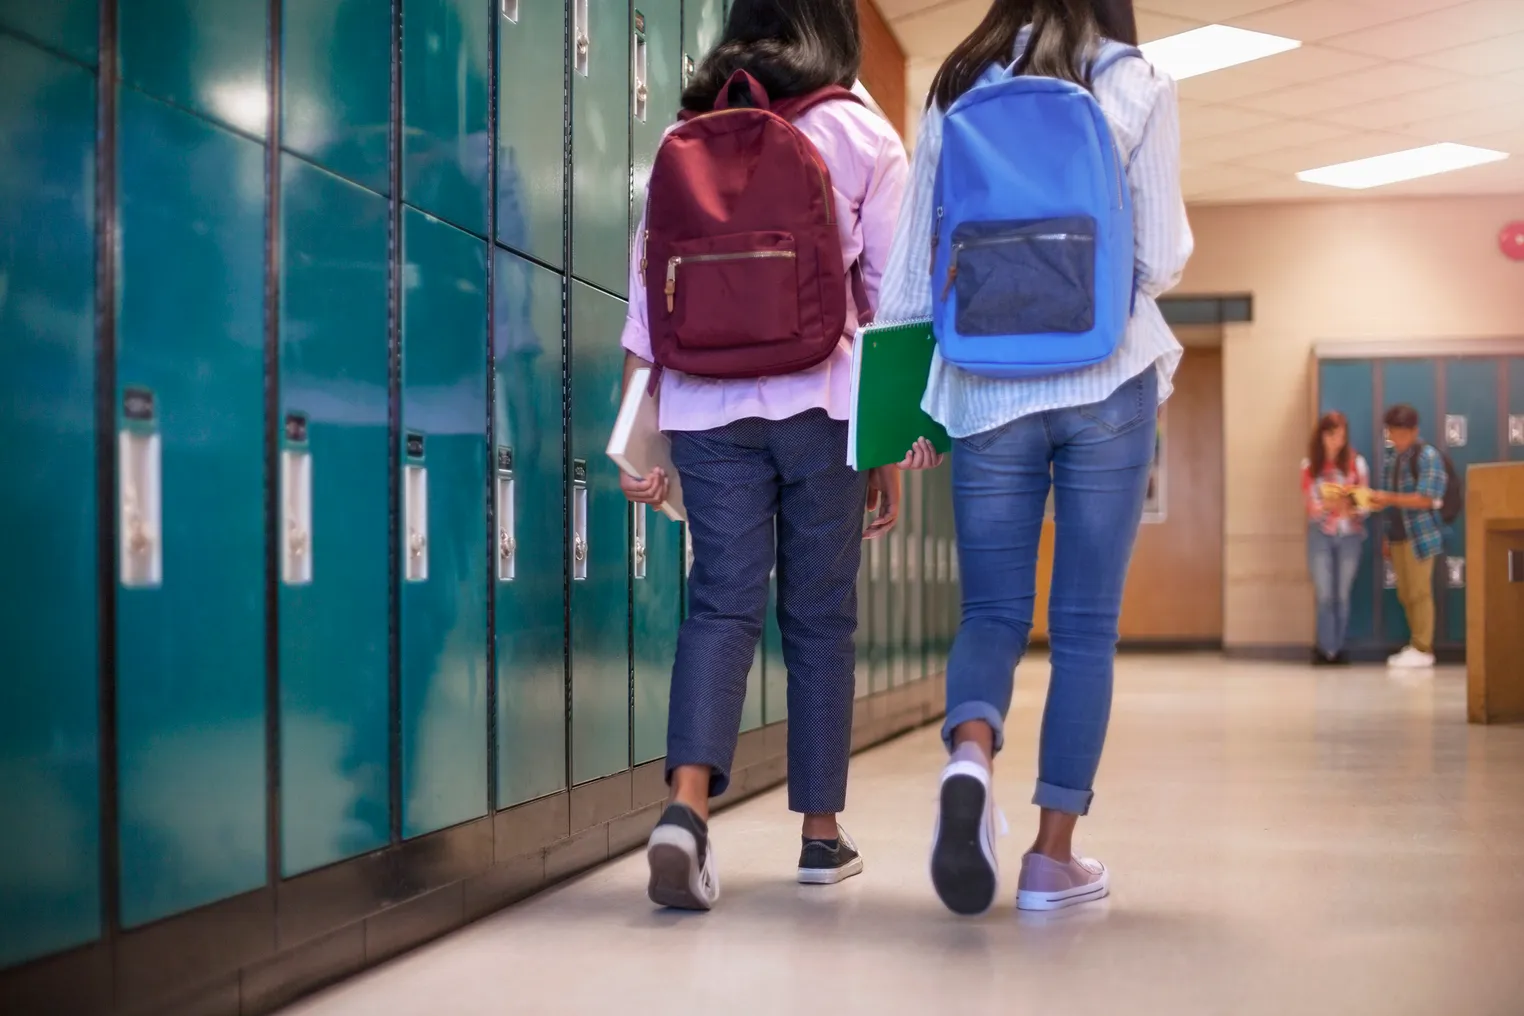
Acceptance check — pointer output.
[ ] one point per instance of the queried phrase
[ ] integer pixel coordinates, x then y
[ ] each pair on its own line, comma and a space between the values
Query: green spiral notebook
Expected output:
890, 364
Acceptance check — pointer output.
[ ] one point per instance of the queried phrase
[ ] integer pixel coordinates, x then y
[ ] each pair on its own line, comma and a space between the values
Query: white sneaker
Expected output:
1411, 659
683, 875
964, 869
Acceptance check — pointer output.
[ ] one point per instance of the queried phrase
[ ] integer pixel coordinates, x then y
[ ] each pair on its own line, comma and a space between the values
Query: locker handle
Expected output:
507, 516
638, 70
580, 548
296, 516
511, 10
638, 544
583, 35
139, 453
416, 522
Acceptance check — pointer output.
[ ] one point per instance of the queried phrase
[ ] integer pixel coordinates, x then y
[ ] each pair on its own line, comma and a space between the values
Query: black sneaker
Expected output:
682, 861
826, 862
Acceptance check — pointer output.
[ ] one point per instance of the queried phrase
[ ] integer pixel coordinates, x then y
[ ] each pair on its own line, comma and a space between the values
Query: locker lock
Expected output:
506, 546
417, 543
579, 549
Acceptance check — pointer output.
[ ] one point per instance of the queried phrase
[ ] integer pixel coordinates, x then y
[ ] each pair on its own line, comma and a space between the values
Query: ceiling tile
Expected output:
1314, 20
1153, 26
1290, 161
1204, 179
1447, 28
1492, 56
1203, 120
893, 10
1467, 127
1399, 110
1310, 63
1273, 137
1368, 85
1207, 11
934, 31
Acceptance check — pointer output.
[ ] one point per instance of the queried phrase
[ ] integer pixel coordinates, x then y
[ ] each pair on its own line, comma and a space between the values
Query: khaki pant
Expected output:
1415, 588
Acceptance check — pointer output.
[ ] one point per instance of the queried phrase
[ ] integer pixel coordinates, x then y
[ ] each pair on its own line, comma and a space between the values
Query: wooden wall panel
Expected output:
884, 64
1174, 589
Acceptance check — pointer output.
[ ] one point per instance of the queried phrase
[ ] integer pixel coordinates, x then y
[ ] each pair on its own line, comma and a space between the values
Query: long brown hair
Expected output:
1065, 37
1332, 420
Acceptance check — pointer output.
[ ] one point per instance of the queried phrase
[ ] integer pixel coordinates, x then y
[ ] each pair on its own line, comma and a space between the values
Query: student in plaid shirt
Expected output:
1415, 491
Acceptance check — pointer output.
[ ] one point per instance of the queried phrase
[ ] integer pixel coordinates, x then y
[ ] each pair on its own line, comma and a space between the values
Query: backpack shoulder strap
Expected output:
793, 109
1111, 54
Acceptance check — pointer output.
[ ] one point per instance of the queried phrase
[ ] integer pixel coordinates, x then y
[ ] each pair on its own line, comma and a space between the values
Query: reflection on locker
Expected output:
531, 130
444, 110
336, 100
601, 110
657, 572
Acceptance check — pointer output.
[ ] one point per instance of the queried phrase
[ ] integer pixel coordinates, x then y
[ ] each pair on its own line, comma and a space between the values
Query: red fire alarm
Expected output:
1511, 240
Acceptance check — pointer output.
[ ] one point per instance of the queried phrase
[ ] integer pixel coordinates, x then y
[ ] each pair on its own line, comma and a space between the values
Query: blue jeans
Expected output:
1096, 459
1333, 562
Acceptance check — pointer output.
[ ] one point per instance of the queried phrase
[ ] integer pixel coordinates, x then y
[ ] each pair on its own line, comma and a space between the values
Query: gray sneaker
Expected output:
1047, 884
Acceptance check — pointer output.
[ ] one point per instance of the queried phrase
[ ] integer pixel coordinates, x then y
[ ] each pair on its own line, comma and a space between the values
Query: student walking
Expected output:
1052, 361
1417, 490
770, 214
1335, 530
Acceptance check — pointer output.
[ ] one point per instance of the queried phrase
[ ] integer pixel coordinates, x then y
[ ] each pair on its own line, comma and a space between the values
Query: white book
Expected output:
638, 446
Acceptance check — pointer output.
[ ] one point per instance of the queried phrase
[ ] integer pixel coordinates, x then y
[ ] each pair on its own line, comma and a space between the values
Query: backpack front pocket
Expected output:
1028, 277
728, 292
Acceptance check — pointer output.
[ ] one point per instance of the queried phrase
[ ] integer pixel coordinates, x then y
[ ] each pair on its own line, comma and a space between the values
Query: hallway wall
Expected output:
1426, 271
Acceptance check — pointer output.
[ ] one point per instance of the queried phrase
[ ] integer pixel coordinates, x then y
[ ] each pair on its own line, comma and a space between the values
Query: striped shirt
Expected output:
1144, 113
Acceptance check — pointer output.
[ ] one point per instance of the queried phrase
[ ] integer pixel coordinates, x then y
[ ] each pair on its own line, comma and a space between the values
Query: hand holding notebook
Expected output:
890, 364
638, 447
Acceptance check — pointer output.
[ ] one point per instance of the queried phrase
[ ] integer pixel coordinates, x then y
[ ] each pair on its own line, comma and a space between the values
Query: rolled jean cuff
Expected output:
1070, 802
969, 711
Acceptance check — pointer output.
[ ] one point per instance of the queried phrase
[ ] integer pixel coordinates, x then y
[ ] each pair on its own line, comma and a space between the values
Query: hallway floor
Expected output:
1281, 840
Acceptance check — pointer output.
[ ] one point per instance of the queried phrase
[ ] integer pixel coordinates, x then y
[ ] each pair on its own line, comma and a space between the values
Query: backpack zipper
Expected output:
645, 243
994, 241
936, 237
674, 263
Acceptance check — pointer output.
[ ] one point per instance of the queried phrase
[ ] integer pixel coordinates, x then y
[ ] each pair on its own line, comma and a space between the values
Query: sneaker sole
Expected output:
964, 878
673, 856
1068, 898
831, 876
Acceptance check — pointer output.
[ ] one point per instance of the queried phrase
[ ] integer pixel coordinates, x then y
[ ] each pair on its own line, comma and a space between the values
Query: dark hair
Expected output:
1065, 35
1333, 420
1402, 417
792, 47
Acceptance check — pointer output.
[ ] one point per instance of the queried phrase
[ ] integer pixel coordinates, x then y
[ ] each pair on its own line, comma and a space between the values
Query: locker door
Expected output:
1468, 432
335, 610
50, 865
601, 143
1349, 387
862, 640
68, 25
599, 546
774, 670
207, 56
1412, 382
336, 65
1515, 409
443, 523
444, 110
658, 564
915, 629
703, 21
658, 68
530, 469
531, 130
191, 602
883, 634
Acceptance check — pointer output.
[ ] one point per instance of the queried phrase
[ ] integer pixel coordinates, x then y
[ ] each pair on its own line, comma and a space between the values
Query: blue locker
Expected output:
531, 569
443, 525
49, 798
191, 607
531, 129
601, 110
774, 667
1349, 387
1515, 410
1413, 382
1471, 416
445, 44
71, 26
336, 98
915, 575
599, 542
209, 56
657, 591
333, 527
862, 640
877, 552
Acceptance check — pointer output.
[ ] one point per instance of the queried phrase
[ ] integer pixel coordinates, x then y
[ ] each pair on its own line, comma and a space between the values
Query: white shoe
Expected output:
964, 868
1411, 659
683, 874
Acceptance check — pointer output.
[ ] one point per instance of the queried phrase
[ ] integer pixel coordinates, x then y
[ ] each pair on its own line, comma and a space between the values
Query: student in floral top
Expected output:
1335, 531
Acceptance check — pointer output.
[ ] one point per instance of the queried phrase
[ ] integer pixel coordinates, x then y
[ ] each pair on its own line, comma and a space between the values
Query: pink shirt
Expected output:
868, 169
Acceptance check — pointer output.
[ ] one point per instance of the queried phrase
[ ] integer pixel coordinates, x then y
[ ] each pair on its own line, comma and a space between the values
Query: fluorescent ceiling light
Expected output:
1204, 50
1398, 166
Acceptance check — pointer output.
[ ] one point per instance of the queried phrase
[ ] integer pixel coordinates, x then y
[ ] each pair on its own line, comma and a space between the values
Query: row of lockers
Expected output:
1473, 408
361, 542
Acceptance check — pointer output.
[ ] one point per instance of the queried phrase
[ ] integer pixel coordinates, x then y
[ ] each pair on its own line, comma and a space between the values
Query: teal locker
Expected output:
49, 798
531, 568
599, 542
445, 44
1349, 387
1413, 382
657, 26
883, 616
333, 527
703, 22
443, 525
209, 56
336, 91
915, 547
1469, 433
531, 129
71, 26
601, 110
753, 708
658, 607
899, 603
191, 602
1515, 411
862, 640
774, 667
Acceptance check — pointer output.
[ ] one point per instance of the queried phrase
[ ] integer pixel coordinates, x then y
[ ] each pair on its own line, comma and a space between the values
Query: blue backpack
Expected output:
1032, 260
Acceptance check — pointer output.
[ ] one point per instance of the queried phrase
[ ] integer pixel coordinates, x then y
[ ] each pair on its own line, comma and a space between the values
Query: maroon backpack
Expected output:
741, 254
